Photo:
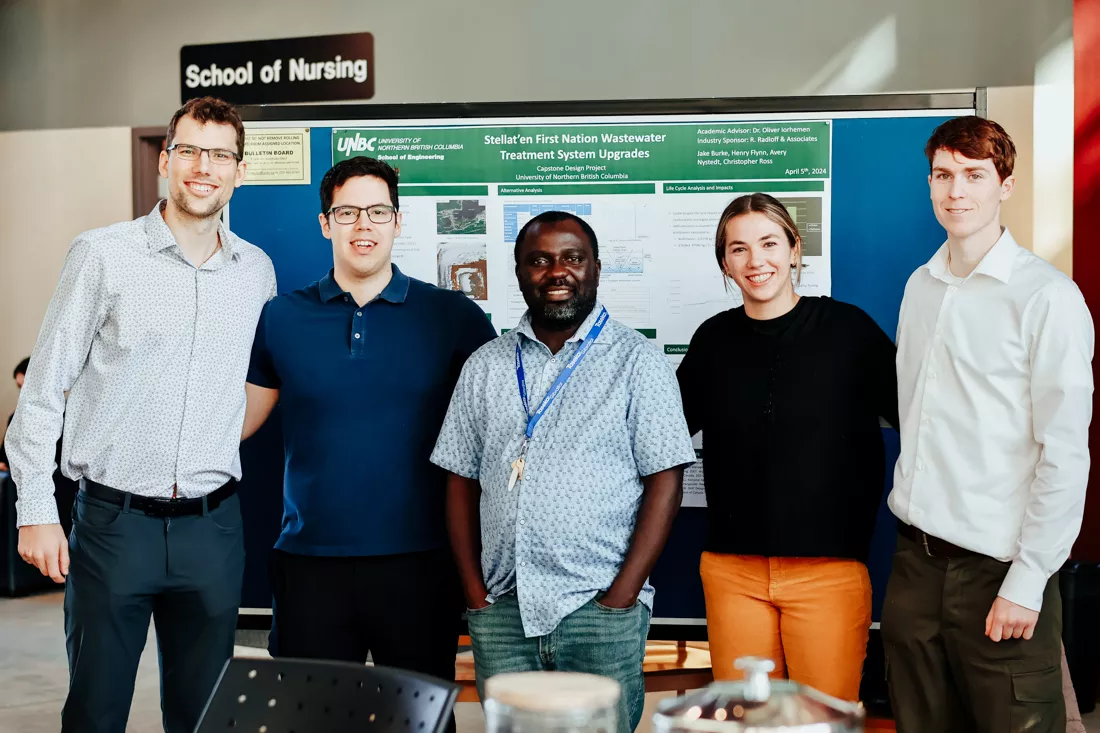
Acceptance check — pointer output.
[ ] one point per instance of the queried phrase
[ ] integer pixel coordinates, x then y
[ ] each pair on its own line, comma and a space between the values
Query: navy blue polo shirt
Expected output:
363, 393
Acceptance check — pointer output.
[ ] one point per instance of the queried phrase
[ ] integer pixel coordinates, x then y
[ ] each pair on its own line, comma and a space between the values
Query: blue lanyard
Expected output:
566, 373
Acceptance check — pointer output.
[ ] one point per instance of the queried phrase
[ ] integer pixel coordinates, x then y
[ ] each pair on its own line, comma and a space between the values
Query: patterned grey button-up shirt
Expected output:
153, 352
560, 536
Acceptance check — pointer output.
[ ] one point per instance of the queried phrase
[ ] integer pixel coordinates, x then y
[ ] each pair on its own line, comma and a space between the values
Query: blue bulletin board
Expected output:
877, 221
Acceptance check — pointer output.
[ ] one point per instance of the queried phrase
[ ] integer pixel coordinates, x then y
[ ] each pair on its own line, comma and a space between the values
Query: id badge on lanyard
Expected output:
551, 395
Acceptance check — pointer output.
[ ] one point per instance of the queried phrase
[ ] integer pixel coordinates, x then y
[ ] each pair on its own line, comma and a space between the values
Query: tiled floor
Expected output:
34, 674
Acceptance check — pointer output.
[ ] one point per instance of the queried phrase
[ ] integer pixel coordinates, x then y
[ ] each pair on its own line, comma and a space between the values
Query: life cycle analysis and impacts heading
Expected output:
298, 69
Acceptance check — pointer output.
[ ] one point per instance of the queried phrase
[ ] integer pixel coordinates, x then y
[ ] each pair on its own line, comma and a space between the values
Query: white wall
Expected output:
1052, 196
1039, 117
56, 184
1014, 109
1040, 212
65, 63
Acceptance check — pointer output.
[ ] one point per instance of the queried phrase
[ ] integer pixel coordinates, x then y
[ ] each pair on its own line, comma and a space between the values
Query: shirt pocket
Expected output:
498, 473
988, 353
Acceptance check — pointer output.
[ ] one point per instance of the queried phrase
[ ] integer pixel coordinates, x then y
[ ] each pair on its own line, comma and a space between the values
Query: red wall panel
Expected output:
1086, 231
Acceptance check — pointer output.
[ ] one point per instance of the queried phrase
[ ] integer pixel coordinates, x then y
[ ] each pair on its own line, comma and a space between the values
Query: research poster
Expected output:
652, 189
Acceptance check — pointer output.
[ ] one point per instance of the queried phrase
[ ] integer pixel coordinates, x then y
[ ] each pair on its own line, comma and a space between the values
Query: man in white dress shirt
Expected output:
149, 334
995, 394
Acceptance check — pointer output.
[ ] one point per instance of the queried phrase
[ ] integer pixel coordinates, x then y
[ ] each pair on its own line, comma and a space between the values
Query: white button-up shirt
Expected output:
153, 353
995, 398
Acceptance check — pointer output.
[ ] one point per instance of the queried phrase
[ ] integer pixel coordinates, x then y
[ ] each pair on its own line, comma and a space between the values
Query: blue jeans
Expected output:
606, 641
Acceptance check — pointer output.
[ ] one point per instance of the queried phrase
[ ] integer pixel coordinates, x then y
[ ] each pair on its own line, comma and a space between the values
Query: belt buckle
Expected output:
924, 541
164, 508
175, 506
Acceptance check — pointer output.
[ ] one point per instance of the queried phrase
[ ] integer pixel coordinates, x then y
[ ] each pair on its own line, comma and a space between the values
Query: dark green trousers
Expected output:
125, 568
945, 675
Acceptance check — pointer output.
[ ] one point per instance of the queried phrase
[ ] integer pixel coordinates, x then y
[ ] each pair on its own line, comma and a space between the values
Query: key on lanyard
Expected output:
559, 384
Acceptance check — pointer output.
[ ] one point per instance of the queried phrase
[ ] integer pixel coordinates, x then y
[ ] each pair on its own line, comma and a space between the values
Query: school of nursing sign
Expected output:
310, 69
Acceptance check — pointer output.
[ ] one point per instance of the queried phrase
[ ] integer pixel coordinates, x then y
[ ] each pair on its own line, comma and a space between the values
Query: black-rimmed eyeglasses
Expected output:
378, 214
218, 156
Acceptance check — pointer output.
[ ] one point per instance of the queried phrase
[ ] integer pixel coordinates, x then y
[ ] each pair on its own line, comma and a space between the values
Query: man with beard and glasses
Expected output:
566, 443
149, 333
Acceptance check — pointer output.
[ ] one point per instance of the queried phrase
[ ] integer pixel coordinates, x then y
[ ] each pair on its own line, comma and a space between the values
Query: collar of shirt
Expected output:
524, 327
997, 262
395, 292
161, 237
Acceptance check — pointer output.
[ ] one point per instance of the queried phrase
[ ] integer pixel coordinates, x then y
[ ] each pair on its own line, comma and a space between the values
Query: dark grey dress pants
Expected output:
125, 567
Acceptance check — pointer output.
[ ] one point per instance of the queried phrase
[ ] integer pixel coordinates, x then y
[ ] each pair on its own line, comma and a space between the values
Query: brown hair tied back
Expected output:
769, 206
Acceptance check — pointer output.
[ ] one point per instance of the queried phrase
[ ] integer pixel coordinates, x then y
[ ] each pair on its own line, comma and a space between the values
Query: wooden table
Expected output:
669, 666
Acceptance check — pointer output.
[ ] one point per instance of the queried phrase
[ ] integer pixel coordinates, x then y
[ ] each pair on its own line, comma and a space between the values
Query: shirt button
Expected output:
358, 313
920, 465
951, 288
931, 375
356, 335
924, 420
345, 299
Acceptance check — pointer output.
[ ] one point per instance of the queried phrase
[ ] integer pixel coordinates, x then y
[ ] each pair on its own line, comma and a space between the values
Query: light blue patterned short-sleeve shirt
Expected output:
559, 537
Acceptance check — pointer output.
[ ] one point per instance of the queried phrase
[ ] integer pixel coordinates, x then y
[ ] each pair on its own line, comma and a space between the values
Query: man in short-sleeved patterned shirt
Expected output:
560, 579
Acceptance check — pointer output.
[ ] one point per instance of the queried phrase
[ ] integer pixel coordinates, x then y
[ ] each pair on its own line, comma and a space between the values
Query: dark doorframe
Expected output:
147, 143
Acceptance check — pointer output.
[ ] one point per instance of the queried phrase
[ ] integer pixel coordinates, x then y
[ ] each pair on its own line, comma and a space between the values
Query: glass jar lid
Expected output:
553, 691
758, 703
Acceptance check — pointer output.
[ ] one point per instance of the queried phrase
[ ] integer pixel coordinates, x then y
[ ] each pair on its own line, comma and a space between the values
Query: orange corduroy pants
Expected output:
811, 616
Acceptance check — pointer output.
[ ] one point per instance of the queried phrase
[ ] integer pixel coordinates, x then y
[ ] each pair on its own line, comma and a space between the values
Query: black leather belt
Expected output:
933, 546
159, 507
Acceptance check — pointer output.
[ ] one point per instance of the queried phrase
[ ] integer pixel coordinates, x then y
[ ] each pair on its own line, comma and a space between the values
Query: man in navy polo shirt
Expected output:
363, 362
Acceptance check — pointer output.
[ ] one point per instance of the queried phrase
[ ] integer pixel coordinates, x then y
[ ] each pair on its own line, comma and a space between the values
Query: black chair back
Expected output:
310, 696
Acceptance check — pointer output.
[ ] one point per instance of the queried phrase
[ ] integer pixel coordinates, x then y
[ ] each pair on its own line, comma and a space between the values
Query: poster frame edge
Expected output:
971, 99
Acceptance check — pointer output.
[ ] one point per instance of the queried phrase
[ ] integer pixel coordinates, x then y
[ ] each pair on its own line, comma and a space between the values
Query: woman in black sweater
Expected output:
788, 391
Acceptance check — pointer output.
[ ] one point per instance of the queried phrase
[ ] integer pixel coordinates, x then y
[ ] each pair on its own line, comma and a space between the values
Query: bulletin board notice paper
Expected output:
277, 157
